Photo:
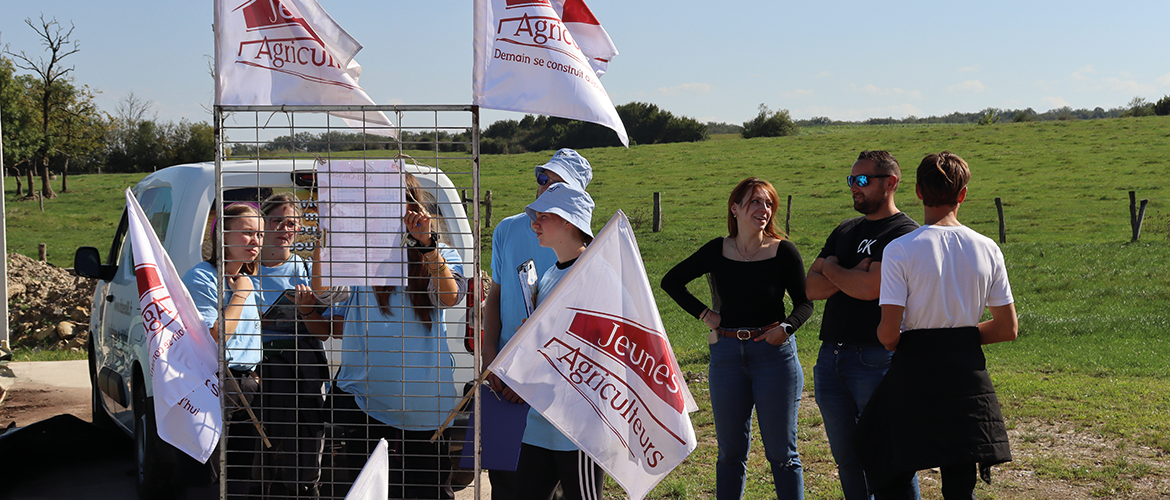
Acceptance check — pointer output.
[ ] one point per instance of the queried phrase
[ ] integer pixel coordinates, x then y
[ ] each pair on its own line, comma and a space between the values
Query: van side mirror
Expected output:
87, 262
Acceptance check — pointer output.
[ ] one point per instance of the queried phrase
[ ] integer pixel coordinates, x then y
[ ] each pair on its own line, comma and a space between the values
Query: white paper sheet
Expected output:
361, 210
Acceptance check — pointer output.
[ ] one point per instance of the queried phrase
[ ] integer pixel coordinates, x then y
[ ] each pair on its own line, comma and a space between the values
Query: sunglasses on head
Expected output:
861, 180
542, 179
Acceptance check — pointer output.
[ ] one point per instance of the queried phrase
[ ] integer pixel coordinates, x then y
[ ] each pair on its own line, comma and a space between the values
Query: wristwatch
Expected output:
787, 328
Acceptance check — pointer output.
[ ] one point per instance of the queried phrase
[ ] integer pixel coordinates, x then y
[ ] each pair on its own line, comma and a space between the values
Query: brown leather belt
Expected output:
746, 333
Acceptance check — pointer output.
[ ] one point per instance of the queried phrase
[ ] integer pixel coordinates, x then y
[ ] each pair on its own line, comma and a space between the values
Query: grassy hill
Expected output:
1091, 357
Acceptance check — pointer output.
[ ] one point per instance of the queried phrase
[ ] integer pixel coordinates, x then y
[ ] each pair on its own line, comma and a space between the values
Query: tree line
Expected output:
645, 124
1138, 106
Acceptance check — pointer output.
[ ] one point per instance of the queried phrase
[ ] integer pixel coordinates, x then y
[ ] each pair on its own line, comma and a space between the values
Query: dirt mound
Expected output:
47, 306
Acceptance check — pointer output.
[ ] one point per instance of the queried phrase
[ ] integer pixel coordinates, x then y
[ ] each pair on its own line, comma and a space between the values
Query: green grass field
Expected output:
1093, 345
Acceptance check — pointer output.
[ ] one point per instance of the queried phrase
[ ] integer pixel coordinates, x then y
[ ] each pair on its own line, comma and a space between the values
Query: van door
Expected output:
122, 336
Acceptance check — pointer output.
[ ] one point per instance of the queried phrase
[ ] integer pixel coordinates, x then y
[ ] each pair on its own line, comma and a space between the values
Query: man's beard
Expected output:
866, 205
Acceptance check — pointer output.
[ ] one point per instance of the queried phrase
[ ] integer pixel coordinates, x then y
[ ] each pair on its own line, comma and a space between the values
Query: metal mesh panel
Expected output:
373, 343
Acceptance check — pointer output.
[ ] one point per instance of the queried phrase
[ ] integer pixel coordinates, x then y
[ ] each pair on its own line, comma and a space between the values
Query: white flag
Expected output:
289, 52
593, 40
531, 60
594, 360
372, 482
183, 356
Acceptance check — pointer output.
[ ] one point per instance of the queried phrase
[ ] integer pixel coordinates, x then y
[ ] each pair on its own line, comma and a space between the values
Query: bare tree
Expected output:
51, 73
133, 109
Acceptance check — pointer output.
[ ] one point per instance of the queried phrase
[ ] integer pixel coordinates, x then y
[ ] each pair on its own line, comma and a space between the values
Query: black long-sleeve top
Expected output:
750, 294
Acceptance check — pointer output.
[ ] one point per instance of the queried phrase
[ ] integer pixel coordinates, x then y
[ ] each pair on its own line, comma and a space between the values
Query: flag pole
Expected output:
459, 407
248, 407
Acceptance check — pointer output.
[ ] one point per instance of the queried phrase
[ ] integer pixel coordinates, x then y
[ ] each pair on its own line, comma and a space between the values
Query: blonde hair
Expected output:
231, 214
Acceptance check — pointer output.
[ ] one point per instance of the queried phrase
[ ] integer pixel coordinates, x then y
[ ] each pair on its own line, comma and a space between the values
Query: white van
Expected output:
178, 201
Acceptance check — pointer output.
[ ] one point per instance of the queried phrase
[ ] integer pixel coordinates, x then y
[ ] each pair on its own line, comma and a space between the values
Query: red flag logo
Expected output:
267, 14
641, 350
148, 279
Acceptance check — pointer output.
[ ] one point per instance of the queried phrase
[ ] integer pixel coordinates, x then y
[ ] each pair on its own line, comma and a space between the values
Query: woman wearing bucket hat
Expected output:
560, 218
753, 354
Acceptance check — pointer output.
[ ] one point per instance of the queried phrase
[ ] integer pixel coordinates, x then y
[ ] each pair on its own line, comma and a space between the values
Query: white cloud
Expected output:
1130, 86
969, 69
1055, 102
796, 93
686, 88
823, 74
1080, 74
969, 85
872, 89
1164, 80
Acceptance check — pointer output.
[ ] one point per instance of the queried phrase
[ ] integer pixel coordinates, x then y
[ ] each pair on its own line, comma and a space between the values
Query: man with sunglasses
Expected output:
847, 274
513, 245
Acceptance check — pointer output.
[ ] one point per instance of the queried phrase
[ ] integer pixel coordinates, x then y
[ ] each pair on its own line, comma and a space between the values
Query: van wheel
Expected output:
153, 472
100, 418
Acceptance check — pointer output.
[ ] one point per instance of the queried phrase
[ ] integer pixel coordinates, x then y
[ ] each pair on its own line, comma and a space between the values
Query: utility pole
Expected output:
4, 342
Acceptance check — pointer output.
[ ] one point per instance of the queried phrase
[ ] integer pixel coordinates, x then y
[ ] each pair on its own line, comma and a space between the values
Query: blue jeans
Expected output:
746, 374
844, 378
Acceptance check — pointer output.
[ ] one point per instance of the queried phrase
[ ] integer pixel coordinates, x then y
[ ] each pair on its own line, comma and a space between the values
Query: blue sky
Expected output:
713, 61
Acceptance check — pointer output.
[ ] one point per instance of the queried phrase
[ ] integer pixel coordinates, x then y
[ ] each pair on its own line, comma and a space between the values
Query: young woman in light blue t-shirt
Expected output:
396, 379
561, 219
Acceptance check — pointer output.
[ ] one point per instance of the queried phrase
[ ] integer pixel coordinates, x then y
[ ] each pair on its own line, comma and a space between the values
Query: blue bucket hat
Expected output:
571, 166
569, 202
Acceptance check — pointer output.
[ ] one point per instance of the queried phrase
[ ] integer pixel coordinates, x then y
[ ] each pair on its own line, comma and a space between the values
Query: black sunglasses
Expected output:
542, 179
861, 180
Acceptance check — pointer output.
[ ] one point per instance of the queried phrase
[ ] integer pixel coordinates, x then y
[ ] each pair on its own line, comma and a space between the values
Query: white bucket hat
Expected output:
571, 166
568, 201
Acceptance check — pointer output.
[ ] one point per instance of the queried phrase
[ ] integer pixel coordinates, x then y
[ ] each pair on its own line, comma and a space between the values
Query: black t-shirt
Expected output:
751, 294
850, 320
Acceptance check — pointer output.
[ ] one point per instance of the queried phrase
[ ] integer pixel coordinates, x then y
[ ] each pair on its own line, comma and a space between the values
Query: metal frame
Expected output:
222, 129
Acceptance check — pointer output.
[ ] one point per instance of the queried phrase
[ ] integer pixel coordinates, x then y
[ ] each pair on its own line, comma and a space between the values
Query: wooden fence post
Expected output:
657, 226
788, 217
43, 252
1136, 215
1002, 226
487, 201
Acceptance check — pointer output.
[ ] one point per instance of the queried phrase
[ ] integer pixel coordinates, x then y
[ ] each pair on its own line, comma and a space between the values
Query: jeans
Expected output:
746, 374
844, 378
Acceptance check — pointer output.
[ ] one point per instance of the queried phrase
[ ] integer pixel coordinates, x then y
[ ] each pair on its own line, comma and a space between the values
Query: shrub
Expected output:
990, 115
1024, 116
1139, 106
769, 124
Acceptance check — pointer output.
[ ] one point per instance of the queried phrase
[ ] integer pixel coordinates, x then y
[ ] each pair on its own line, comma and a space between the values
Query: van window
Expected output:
156, 204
